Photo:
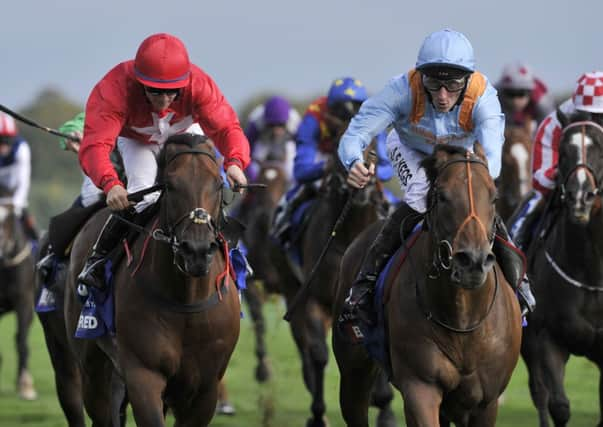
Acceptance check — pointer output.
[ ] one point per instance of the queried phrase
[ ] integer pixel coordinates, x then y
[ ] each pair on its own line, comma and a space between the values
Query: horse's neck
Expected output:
579, 249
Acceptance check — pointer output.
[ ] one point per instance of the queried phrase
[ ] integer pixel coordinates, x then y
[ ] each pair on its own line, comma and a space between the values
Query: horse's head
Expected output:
275, 179
191, 201
580, 173
515, 177
461, 213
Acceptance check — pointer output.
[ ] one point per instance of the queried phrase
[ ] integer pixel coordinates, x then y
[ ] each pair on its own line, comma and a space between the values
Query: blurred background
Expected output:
53, 53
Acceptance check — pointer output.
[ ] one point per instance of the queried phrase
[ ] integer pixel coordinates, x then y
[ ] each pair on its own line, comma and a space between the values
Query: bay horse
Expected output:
176, 306
17, 286
565, 264
515, 180
265, 257
452, 322
311, 321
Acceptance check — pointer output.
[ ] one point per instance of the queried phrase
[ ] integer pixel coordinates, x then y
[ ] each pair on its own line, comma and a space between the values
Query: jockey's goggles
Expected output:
516, 93
452, 85
157, 91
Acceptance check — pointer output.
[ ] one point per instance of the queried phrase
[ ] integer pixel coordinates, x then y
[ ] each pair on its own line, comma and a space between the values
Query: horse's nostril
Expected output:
463, 259
490, 260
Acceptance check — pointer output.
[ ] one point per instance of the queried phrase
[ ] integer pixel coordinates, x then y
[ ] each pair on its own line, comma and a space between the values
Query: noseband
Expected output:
442, 259
583, 164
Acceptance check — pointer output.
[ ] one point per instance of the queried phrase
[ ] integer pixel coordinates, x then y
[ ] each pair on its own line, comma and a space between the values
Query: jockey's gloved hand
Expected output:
235, 175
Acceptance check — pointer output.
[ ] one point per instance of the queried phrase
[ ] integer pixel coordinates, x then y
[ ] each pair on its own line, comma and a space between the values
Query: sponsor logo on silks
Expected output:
87, 322
46, 301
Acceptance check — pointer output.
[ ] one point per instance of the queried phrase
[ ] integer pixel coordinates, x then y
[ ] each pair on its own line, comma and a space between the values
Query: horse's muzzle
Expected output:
471, 267
197, 256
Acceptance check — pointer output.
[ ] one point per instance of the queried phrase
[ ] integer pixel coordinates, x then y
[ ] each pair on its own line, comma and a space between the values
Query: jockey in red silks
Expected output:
587, 98
524, 98
139, 104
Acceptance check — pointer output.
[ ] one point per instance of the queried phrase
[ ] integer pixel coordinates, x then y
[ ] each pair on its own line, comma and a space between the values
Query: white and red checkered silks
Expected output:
588, 96
8, 127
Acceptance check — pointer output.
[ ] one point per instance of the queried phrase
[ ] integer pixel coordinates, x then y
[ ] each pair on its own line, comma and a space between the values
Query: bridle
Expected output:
583, 164
444, 249
442, 259
196, 216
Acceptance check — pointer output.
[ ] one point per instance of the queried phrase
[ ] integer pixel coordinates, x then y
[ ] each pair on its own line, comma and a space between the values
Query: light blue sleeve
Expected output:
376, 114
489, 122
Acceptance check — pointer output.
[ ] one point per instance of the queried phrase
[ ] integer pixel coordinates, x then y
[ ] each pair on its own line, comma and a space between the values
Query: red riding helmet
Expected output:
8, 127
162, 62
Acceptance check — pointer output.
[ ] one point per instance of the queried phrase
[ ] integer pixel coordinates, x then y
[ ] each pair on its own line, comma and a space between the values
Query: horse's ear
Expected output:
479, 151
563, 119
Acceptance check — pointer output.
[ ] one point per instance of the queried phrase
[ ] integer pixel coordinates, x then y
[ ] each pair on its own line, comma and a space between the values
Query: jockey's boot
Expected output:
93, 273
282, 218
358, 306
513, 264
525, 218
46, 265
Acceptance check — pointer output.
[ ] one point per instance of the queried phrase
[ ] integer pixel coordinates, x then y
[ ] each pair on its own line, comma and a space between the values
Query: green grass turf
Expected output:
283, 402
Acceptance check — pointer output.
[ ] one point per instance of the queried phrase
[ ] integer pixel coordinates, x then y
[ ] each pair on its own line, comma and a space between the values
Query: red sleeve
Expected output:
105, 112
219, 121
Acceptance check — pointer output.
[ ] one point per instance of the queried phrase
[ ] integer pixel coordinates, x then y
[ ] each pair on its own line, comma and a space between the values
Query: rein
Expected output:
431, 316
567, 278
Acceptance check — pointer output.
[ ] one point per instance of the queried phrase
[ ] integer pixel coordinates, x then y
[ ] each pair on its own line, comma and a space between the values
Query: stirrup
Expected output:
91, 276
45, 266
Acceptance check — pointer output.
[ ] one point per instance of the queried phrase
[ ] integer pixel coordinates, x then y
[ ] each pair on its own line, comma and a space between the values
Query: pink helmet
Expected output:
588, 95
517, 76
8, 127
162, 62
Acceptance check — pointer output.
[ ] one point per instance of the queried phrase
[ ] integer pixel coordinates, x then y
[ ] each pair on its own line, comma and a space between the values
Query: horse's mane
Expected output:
432, 163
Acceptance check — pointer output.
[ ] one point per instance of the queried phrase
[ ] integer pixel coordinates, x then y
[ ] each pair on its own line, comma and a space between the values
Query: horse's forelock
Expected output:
441, 154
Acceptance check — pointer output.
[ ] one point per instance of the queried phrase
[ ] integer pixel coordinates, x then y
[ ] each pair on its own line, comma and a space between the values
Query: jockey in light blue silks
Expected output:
442, 100
322, 123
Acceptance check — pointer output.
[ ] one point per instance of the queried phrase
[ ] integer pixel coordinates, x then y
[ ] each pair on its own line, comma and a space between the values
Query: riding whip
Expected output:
303, 292
36, 125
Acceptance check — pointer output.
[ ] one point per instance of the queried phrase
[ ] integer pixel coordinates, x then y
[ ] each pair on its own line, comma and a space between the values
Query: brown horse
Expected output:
452, 322
176, 307
267, 261
310, 321
515, 180
566, 267
17, 288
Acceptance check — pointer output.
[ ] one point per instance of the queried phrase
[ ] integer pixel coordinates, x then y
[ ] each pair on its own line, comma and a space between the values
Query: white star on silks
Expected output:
162, 129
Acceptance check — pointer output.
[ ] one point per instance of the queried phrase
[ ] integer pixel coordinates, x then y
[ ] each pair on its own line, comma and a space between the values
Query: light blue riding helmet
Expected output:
446, 49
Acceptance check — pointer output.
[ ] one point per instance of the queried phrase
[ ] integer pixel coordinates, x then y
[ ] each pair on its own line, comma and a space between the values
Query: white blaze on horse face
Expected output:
270, 174
581, 142
522, 158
